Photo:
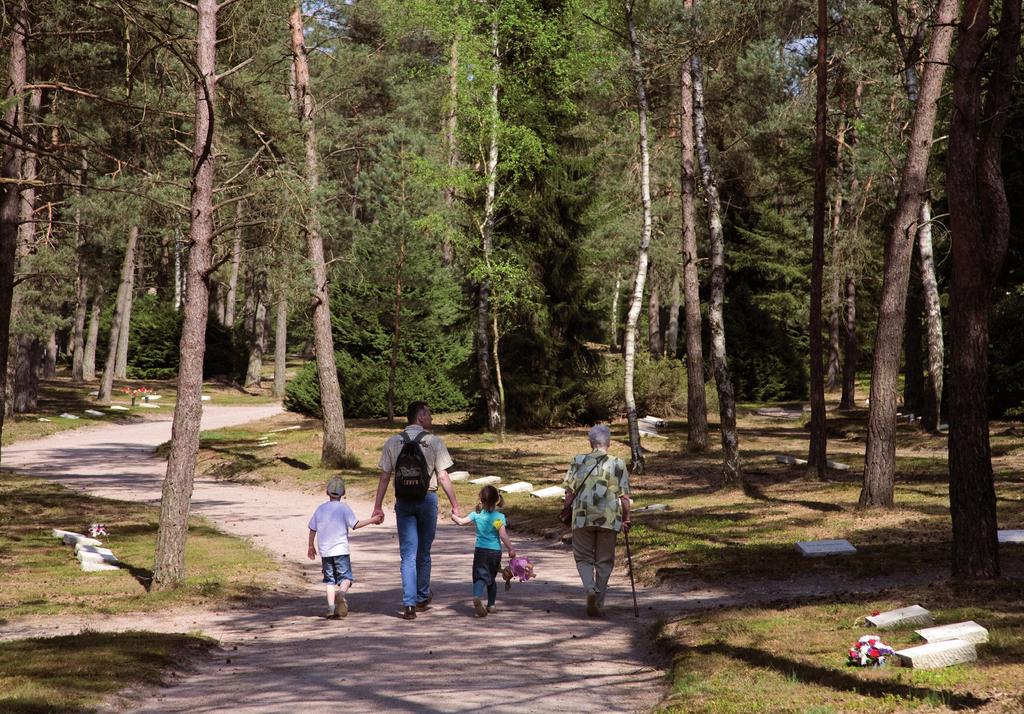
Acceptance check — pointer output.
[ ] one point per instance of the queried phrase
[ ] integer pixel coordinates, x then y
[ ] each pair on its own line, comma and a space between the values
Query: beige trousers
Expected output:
594, 550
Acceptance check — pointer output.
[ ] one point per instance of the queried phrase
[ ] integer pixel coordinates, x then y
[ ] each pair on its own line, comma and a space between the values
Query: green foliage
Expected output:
1006, 355
764, 362
659, 386
364, 383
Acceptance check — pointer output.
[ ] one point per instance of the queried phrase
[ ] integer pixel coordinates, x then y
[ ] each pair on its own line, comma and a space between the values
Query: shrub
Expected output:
1006, 359
364, 387
763, 360
658, 385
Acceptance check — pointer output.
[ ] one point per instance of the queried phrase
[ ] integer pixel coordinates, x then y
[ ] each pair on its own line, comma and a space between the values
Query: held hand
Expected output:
378, 512
454, 517
455, 510
511, 553
377, 519
311, 553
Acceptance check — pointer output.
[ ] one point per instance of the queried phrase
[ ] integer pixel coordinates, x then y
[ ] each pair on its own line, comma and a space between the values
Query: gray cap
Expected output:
336, 486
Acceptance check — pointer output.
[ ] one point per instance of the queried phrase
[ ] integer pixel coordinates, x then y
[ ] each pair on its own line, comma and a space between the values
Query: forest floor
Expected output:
742, 622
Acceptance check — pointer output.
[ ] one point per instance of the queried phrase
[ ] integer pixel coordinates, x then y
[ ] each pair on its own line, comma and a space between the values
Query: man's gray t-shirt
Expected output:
434, 451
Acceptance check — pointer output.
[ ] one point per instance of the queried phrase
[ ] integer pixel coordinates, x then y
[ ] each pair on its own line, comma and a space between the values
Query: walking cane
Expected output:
632, 583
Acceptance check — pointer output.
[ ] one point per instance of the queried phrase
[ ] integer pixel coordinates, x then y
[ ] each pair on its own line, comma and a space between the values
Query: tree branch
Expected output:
240, 65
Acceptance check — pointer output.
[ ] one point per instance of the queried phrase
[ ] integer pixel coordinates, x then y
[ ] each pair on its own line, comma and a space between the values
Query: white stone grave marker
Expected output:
517, 487
655, 421
264, 444
938, 654
44, 419
459, 475
96, 556
146, 405
94, 546
287, 428
837, 466
93, 412
65, 415
902, 617
651, 508
969, 631
118, 408
90, 567
205, 398
1011, 536
549, 492
821, 548
486, 480
152, 397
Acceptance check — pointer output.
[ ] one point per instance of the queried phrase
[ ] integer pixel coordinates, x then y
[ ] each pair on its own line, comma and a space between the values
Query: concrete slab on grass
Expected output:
517, 487
969, 631
937, 655
549, 492
837, 466
821, 548
486, 480
902, 617
651, 508
1006, 536
94, 556
458, 475
65, 415
118, 408
93, 412
90, 567
792, 460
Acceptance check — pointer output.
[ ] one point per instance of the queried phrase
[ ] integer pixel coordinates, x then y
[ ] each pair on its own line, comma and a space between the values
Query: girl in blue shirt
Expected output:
490, 534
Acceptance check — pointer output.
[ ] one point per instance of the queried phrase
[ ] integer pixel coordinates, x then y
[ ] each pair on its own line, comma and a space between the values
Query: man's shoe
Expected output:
424, 605
593, 610
492, 609
342, 607
478, 605
409, 613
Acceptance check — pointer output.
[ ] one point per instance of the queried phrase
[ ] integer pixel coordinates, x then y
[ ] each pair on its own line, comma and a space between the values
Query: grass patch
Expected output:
792, 658
42, 576
77, 672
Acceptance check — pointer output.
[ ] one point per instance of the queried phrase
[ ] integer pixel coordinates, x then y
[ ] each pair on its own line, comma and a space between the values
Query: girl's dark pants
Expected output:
486, 564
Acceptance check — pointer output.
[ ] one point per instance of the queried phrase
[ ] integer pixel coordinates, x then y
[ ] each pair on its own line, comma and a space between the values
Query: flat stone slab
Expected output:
651, 508
650, 431
93, 412
205, 398
549, 492
264, 444
65, 415
458, 475
91, 567
969, 631
937, 655
779, 413
517, 487
44, 419
821, 548
486, 480
153, 397
69, 537
654, 421
836, 465
1011, 536
93, 547
118, 408
903, 617
791, 460
96, 557
147, 405
287, 428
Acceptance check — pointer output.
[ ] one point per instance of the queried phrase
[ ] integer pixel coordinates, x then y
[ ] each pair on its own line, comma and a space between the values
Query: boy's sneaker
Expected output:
593, 609
342, 607
409, 613
331, 614
478, 605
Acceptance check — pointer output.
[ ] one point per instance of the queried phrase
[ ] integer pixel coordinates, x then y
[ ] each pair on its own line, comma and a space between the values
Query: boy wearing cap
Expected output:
329, 526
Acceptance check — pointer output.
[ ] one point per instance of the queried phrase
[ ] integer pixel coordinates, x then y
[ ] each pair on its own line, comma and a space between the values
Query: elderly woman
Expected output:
600, 509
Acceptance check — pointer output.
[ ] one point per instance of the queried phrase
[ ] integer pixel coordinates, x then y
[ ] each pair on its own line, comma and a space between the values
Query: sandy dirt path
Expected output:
538, 653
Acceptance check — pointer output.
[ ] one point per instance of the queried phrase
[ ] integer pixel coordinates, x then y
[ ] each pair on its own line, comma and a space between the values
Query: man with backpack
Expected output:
419, 463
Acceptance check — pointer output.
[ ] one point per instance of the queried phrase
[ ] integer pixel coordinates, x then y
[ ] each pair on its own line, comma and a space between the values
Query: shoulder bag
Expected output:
566, 515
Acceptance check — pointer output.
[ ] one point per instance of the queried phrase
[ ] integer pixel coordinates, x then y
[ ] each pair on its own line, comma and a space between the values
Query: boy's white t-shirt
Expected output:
332, 521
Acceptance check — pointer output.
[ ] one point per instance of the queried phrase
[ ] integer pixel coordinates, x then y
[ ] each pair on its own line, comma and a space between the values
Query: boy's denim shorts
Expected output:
337, 568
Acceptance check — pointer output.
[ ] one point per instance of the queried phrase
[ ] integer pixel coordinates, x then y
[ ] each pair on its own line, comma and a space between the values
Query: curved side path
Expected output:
539, 652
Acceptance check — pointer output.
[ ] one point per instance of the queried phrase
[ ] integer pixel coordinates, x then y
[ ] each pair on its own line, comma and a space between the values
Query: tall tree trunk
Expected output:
913, 362
931, 413
236, 262
257, 338
280, 346
613, 331
488, 384
176, 498
92, 335
26, 377
850, 347
81, 290
123, 334
833, 369
10, 172
980, 220
731, 473
451, 127
107, 382
333, 453
672, 334
636, 299
179, 277
880, 459
49, 368
654, 341
819, 439
396, 332
696, 400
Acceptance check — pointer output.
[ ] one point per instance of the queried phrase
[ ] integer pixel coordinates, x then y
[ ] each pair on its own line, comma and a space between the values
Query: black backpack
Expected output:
412, 475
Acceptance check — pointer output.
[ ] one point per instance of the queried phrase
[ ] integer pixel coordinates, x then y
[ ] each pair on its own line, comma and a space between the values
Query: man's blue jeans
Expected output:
417, 523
